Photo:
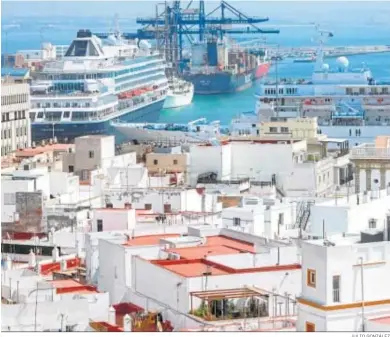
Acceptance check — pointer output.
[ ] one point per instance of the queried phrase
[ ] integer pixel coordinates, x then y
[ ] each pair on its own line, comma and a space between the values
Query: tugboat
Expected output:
180, 93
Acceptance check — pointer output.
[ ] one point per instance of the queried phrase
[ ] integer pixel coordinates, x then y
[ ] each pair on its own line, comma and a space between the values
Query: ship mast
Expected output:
323, 35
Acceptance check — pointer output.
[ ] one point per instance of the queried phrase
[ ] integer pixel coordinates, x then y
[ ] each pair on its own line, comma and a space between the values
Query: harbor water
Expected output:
223, 107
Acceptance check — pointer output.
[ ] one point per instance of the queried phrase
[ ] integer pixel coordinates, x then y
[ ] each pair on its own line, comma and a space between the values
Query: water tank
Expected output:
212, 53
342, 62
198, 54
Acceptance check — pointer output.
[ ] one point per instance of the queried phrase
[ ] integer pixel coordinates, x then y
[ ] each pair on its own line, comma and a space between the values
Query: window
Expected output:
311, 278
99, 225
91, 154
336, 288
148, 206
155, 161
273, 130
310, 327
284, 130
175, 162
9, 198
236, 221
71, 168
372, 223
281, 219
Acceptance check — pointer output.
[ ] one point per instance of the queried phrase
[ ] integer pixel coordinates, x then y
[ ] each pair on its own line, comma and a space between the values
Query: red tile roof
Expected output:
149, 240
30, 152
71, 286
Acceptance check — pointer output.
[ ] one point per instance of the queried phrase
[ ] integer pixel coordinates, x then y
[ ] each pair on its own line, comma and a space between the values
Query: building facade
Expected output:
372, 165
15, 119
343, 284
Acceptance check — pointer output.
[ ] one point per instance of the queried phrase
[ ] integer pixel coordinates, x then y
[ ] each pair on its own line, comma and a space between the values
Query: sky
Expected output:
299, 11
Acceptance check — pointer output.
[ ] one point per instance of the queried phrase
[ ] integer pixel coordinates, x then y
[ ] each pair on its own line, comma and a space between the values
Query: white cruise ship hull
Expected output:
178, 100
146, 135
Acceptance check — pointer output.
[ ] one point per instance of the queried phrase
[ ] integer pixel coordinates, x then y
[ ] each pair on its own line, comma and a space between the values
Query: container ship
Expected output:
216, 68
97, 81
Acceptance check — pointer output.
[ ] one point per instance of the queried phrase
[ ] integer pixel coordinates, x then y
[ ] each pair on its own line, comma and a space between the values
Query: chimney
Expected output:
127, 323
32, 261
55, 254
111, 315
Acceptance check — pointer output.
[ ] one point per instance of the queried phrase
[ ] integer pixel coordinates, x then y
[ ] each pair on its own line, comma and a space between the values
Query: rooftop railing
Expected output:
369, 151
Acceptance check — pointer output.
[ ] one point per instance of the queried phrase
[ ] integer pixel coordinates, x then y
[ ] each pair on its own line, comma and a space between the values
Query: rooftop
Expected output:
200, 252
30, 152
16, 72
191, 268
71, 286
148, 240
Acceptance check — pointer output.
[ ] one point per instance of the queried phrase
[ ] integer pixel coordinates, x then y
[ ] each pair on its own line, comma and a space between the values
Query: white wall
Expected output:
205, 159
112, 269
343, 260
347, 216
251, 219
98, 304
103, 147
21, 317
166, 291
114, 219
261, 161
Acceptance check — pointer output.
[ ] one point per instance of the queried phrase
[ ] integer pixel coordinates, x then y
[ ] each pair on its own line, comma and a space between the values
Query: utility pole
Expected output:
362, 289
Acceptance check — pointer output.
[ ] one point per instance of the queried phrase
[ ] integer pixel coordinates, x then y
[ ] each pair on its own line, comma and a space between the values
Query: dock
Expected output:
290, 52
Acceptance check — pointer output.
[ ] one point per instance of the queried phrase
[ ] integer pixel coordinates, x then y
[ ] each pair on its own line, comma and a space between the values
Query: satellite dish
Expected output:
325, 67
342, 62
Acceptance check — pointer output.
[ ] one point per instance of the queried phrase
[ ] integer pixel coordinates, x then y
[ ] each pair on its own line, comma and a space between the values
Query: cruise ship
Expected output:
97, 81
337, 97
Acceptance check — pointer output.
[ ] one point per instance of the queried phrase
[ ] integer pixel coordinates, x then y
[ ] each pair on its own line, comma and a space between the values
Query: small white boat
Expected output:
180, 93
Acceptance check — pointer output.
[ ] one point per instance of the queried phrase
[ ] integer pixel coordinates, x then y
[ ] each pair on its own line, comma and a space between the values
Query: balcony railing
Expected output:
370, 152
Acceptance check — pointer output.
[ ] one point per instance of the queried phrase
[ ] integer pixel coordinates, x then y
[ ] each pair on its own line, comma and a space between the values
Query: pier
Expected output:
290, 52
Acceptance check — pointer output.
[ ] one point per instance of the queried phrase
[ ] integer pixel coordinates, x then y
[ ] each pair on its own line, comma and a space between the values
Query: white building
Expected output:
38, 304
235, 260
23, 192
372, 163
295, 166
265, 218
15, 118
350, 215
344, 283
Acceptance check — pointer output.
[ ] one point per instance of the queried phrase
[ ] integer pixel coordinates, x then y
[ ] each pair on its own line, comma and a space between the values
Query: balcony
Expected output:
369, 151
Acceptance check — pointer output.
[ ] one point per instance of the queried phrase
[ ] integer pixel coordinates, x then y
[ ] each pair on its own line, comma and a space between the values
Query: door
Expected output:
167, 208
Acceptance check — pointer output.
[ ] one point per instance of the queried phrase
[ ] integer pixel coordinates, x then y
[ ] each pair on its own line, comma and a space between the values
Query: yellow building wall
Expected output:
157, 162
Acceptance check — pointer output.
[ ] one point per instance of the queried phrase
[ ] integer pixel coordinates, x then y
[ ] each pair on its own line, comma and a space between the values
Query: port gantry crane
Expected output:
173, 24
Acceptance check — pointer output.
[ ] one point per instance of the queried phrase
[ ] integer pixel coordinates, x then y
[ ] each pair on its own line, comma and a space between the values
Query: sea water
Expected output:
30, 34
